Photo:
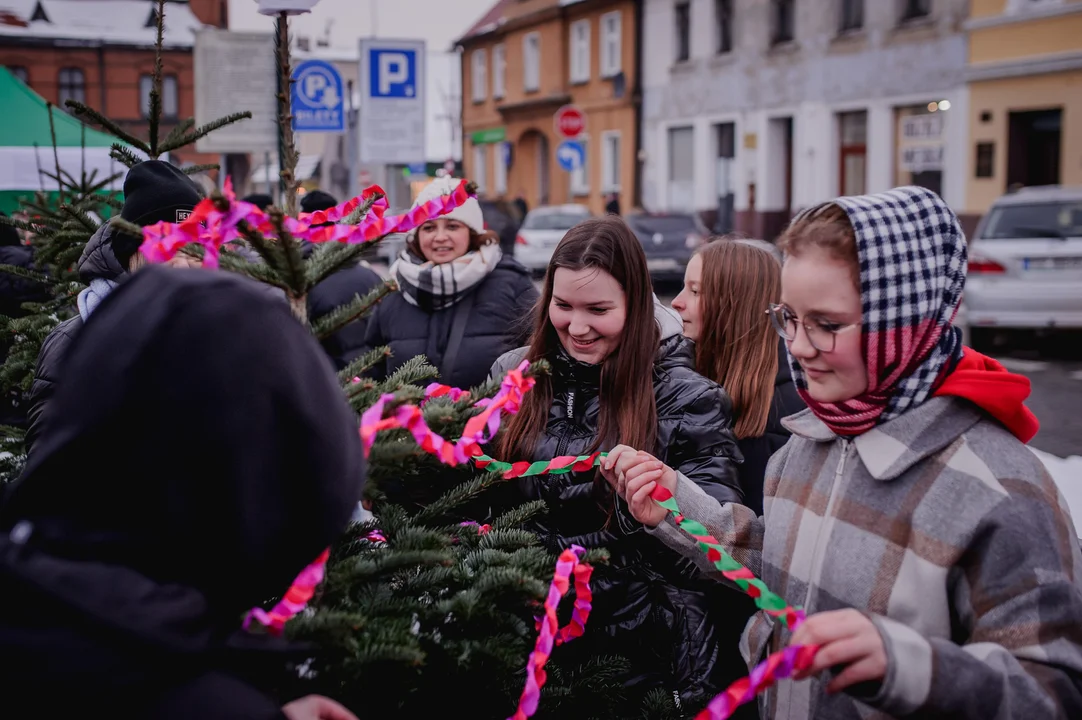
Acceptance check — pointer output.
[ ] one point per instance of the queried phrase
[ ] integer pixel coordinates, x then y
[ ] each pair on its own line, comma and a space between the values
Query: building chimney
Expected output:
209, 12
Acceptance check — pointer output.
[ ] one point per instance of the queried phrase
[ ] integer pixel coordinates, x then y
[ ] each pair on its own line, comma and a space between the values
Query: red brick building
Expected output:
101, 52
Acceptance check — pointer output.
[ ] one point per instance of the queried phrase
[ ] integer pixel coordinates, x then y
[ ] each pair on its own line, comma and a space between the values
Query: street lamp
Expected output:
288, 7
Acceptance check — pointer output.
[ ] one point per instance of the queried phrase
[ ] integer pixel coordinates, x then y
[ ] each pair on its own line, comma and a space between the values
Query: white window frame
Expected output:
479, 75
170, 99
610, 161
611, 39
499, 71
499, 169
479, 171
580, 179
531, 62
579, 48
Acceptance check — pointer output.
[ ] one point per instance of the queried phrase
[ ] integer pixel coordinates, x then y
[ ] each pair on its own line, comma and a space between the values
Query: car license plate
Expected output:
662, 264
1052, 263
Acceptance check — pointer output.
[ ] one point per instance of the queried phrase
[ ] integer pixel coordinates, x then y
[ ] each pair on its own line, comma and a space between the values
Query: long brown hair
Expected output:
628, 413
737, 348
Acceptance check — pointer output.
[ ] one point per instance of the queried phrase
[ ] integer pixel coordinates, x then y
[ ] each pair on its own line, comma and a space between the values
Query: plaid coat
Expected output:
942, 527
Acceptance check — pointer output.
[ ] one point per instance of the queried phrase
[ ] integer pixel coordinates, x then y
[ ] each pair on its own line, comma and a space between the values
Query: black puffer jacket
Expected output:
679, 632
97, 261
758, 450
346, 345
500, 319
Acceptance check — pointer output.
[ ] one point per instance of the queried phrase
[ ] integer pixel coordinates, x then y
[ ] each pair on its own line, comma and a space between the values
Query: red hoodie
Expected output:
999, 392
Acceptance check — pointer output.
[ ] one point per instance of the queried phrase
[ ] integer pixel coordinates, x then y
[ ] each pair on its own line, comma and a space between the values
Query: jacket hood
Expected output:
991, 387
210, 459
667, 319
98, 260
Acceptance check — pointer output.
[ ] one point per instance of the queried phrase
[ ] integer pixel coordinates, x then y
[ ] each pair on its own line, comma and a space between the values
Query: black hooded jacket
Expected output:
679, 631
210, 459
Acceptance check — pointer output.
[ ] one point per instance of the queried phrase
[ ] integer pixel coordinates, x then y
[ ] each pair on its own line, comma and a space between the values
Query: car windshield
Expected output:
664, 224
1039, 220
552, 221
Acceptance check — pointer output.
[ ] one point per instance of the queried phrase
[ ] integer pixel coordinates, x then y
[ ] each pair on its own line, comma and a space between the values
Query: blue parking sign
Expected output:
317, 98
393, 73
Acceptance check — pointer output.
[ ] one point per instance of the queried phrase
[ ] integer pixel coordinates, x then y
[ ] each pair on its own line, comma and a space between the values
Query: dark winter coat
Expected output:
97, 261
207, 459
347, 344
679, 632
499, 319
14, 291
758, 450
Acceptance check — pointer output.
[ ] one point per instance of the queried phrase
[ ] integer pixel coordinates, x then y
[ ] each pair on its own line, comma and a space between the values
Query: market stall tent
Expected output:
26, 145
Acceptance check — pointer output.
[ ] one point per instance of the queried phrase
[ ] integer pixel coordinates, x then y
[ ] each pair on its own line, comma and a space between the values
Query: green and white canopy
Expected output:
26, 145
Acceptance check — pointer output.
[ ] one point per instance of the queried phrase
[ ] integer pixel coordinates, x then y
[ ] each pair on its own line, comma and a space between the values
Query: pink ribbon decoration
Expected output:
213, 228
295, 599
778, 666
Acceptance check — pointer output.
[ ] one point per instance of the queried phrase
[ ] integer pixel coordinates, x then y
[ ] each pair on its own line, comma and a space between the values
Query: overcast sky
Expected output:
439, 22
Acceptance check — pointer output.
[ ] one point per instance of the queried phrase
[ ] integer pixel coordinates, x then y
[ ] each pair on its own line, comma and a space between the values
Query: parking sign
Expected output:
317, 98
392, 112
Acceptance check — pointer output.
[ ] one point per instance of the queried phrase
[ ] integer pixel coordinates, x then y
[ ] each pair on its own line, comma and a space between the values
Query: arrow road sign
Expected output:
317, 98
571, 155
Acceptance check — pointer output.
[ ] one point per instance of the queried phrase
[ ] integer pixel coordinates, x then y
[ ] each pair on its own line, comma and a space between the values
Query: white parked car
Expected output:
1025, 263
542, 231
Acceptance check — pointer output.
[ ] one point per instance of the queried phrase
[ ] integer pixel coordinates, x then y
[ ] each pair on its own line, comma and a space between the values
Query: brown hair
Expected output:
827, 228
737, 348
628, 412
477, 239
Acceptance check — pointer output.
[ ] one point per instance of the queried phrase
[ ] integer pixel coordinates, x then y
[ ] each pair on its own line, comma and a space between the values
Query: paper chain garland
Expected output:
550, 634
298, 595
210, 227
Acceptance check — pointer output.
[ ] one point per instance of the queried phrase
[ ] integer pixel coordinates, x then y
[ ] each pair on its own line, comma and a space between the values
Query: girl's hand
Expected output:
844, 637
634, 475
316, 707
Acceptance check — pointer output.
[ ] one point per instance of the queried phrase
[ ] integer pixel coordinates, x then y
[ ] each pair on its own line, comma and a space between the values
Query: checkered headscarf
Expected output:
912, 254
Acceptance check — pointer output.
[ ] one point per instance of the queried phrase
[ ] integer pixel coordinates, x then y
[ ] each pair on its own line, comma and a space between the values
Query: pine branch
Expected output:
93, 188
56, 151
190, 137
362, 210
92, 115
293, 265
355, 309
156, 80
79, 216
328, 258
179, 130
235, 262
518, 516
363, 363
456, 497
126, 227
30, 275
123, 155
25, 225
195, 169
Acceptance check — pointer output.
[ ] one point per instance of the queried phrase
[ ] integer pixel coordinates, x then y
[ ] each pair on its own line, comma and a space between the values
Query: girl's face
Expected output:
687, 302
443, 240
818, 291
588, 310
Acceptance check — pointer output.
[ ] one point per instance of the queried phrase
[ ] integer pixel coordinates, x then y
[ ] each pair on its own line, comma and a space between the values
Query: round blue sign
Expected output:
317, 98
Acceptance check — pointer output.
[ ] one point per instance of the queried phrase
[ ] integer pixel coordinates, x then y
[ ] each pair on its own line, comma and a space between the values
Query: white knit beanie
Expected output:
468, 212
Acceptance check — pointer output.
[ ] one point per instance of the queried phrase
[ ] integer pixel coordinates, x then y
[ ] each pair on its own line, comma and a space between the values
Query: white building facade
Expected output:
754, 109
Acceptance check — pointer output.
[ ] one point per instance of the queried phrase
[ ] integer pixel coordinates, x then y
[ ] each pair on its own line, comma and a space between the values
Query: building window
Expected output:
531, 62
580, 178
611, 44
610, 161
681, 169
723, 24
916, 9
499, 70
853, 133
169, 96
784, 21
986, 160
480, 166
851, 15
20, 72
682, 16
72, 86
503, 151
724, 181
478, 75
580, 51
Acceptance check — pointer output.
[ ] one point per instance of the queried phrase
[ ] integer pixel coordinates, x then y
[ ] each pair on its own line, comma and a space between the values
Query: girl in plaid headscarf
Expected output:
936, 560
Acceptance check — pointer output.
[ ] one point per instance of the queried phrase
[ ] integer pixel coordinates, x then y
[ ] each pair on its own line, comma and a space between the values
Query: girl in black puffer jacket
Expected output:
622, 369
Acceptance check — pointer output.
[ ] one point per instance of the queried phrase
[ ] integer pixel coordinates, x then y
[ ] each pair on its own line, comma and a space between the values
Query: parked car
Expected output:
669, 240
501, 218
542, 231
1025, 263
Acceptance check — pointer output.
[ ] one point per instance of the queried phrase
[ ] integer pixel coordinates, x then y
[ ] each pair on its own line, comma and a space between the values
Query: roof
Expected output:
101, 22
25, 120
488, 22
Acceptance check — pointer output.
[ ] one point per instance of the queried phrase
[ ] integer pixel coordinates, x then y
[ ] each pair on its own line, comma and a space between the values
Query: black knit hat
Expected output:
8, 234
317, 200
260, 200
154, 191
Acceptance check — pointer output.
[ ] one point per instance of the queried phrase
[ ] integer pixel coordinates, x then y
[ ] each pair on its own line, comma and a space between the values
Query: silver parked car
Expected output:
542, 231
1025, 263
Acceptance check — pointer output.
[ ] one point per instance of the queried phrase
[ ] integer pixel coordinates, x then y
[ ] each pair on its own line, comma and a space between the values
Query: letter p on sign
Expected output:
393, 70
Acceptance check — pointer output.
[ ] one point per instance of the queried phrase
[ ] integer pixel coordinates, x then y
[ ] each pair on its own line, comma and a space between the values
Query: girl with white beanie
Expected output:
461, 302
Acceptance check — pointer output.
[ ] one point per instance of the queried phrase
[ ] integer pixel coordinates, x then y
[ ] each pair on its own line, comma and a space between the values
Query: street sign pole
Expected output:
351, 143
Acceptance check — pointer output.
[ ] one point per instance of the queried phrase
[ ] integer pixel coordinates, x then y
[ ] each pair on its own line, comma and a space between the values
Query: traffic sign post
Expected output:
571, 155
570, 122
392, 101
317, 98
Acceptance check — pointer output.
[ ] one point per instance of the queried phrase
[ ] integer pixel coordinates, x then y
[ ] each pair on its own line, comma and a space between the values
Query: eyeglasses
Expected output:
821, 334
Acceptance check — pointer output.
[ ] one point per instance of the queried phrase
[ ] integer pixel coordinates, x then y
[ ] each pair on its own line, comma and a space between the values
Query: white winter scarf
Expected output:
436, 287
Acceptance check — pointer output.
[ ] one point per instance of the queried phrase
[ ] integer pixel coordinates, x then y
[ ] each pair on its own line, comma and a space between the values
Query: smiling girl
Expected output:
934, 555
623, 373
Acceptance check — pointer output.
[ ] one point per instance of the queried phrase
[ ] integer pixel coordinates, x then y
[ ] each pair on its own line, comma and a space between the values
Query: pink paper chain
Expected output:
213, 228
295, 599
777, 666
